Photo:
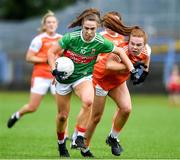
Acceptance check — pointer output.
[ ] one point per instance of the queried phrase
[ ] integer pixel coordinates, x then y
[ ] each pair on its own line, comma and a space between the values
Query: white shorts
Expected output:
100, 92
41, 85
64, 89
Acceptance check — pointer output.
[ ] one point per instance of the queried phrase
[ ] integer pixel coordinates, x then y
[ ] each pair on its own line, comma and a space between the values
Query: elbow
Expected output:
28, 59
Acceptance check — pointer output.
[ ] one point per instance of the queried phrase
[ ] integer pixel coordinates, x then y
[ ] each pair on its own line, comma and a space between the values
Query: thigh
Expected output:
35, 99
121, 95
99, 100
85, 90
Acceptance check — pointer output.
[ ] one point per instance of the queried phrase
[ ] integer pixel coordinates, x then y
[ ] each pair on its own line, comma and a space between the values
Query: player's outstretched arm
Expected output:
52, 52
32, 57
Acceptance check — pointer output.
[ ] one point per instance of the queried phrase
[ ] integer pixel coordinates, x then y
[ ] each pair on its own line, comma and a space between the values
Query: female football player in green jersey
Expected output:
82, 46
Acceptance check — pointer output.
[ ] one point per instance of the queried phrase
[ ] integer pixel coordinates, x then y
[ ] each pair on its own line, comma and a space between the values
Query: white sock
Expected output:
16, 115
74, 136
85, 150
61, 141
114, 134
81, 133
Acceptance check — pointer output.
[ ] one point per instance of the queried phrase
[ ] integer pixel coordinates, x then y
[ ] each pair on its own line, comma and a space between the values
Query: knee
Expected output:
62, 117
126, 110
87, 103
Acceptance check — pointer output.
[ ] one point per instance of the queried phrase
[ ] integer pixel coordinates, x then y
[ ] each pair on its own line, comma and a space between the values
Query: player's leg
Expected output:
78, 86
53, 92
122, 98
96, 114
63, 95
84, 90
39, 88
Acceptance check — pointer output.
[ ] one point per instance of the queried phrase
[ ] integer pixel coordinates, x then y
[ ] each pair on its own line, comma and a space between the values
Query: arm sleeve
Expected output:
36, 44
64, 41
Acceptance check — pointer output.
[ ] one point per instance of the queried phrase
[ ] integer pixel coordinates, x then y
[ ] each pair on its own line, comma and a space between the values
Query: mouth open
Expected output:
135, 52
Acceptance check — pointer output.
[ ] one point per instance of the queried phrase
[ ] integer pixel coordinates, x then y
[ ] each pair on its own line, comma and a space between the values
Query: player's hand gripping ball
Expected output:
64, 67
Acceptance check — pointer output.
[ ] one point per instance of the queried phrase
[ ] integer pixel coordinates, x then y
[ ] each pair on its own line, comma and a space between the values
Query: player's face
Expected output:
136, 45
51, 25
89, 29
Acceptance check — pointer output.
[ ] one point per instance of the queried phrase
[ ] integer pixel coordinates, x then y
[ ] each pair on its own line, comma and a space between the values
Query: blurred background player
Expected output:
82, 46
109, 78
41, 75
173, 87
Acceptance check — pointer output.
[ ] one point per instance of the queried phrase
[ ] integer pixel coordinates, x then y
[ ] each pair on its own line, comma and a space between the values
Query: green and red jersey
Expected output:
83, 53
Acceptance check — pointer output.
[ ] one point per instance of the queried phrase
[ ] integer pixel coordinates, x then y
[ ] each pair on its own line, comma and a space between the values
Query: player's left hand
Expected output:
134, 75
60, 76
142, 78
139, 65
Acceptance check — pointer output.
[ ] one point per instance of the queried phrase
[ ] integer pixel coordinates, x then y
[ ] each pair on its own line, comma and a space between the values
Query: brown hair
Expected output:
139, 32
91, 14
43, 21
116, 25
115, 13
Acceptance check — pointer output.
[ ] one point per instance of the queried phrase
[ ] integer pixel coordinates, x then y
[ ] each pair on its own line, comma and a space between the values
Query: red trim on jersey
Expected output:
78, 58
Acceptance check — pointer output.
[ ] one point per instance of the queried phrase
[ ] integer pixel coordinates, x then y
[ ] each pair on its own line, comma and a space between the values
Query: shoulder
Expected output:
36, 43
99, 38
38, 38
57, 35
72, 35
75, 34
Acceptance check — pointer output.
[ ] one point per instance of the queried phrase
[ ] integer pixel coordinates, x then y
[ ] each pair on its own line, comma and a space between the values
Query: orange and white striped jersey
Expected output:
40, 45
108, 79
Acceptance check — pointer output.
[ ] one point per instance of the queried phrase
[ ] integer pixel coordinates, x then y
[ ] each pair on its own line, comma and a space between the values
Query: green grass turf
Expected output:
152, 131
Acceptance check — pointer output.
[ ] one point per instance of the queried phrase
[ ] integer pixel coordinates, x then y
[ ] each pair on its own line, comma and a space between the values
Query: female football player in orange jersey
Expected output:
41, 75
109, 78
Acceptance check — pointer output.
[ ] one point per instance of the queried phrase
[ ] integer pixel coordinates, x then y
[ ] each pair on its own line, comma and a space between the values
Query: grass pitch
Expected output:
152, 131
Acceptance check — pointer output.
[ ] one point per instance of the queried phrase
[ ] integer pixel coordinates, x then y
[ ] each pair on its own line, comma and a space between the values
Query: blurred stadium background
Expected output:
153, 129
159, 18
